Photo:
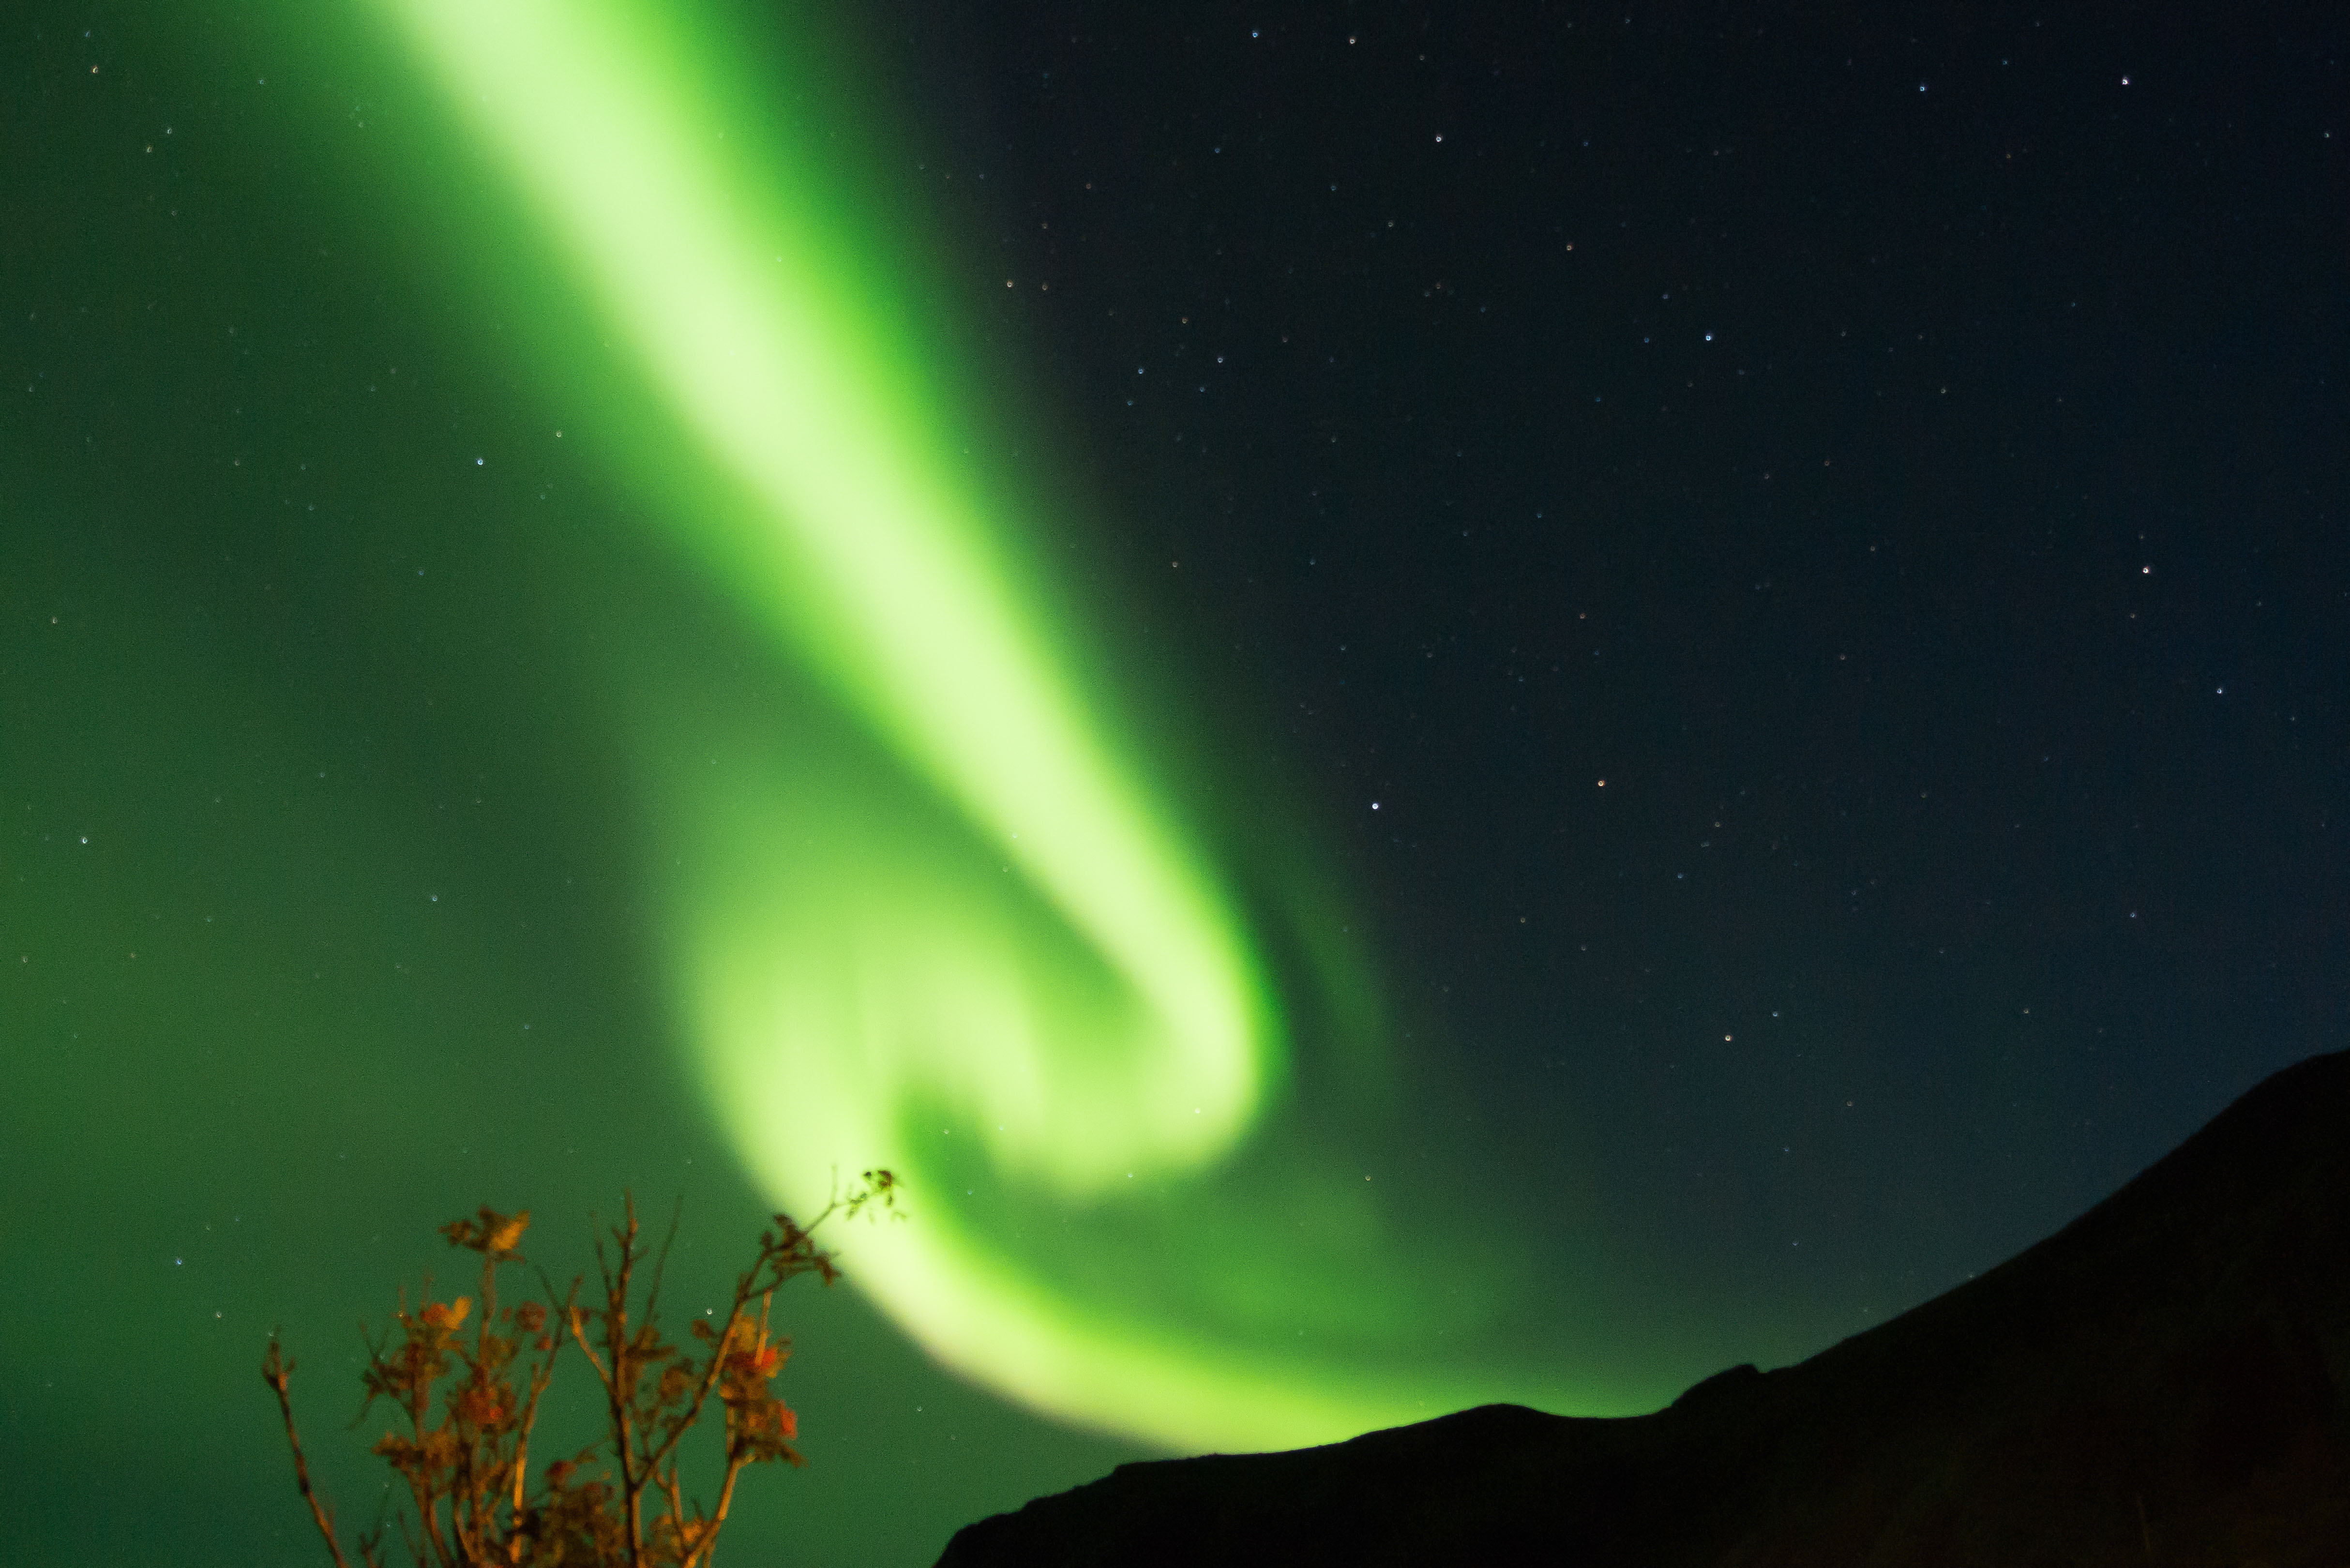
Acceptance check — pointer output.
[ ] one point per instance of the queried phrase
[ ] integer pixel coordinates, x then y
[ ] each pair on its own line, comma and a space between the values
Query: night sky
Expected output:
1419, 706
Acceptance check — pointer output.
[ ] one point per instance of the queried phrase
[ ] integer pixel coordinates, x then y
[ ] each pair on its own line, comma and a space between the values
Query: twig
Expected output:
276, 1371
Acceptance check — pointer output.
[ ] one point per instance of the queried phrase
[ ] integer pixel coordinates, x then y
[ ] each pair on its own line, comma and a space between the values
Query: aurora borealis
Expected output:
843, 996
693, 597
1021, 941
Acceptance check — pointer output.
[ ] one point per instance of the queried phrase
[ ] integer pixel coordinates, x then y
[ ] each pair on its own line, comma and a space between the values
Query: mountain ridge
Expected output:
2164, 1379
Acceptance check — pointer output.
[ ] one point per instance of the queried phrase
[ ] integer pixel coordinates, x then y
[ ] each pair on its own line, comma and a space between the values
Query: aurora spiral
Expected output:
942, 910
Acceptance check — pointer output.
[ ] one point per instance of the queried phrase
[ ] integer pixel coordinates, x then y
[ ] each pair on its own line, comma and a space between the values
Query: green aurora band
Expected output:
939, 916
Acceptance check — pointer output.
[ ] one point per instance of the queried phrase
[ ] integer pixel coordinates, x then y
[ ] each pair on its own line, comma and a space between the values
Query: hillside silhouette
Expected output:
2165, 1380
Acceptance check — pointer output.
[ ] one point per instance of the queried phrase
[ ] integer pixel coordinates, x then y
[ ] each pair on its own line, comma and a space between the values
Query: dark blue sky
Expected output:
1900, 454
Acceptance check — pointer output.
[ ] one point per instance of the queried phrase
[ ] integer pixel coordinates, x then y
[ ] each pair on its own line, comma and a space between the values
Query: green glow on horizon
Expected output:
959, 909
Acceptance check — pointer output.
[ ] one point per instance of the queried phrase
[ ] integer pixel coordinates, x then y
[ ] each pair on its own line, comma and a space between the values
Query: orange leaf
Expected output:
502, 1233
450, 1317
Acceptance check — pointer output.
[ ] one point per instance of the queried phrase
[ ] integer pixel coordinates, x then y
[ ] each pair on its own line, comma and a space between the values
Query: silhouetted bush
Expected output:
468, 1473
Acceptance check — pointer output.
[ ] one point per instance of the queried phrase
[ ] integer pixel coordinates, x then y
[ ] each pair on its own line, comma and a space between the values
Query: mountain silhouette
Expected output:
2165, 1380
